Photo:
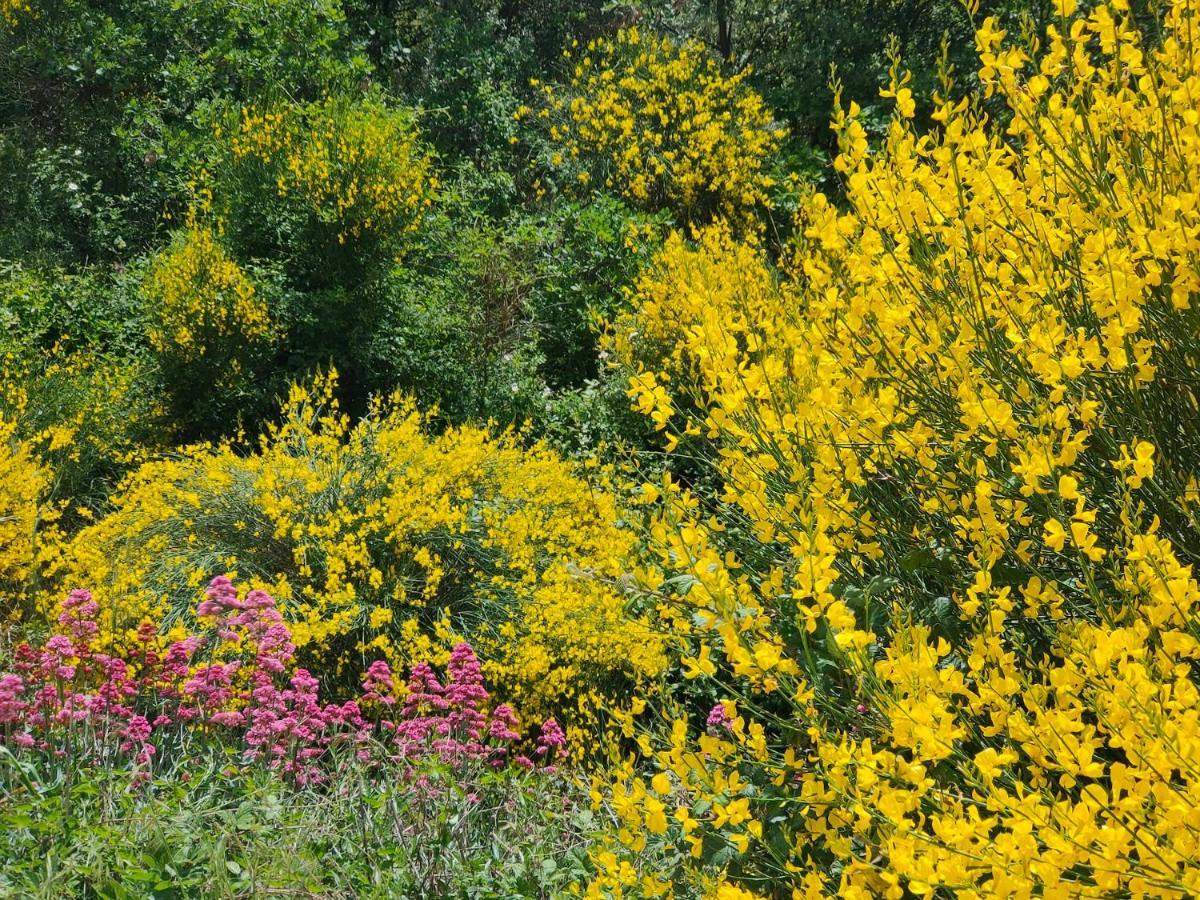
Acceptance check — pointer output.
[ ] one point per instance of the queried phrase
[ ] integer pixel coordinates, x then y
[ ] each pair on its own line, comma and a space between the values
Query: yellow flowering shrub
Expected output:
382, 540
70, 422
945, 594
356, 167
662, 125
200, 301
23, 484
83, 415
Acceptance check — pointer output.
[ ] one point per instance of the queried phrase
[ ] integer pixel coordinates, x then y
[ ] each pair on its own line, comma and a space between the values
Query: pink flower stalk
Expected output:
255, 697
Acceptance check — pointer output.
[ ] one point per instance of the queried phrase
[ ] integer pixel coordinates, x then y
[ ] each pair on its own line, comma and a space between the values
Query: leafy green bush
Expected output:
94, 307
106, 107
468, 64
85, 410
495, 318
332, 189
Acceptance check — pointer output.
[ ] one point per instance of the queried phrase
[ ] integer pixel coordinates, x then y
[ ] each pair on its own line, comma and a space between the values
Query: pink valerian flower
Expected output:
425, 692
552, 742
220, 598
211, 687
136, 734
13, 705
466, 693
718, 718
449, 719
78, 617
249, 698
377, 684
179, 657
504, 724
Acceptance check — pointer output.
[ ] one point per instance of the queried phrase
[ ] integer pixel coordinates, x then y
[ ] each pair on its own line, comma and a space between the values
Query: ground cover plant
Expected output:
515, 450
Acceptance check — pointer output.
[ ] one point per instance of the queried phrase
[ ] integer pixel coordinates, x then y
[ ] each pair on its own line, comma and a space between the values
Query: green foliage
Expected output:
106, 107
89, 412
468, 64
208, 830
490, 319
95, 307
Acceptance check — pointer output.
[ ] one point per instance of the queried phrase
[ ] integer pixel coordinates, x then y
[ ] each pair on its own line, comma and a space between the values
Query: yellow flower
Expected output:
940, 509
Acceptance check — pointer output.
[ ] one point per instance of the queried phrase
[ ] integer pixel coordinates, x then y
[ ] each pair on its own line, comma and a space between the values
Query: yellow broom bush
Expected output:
946, 595
662, 125
82, 415
23, 485
381, 540
201, 304
356, 169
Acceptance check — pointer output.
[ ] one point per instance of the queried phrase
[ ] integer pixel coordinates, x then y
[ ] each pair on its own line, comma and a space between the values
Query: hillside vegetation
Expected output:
702, 450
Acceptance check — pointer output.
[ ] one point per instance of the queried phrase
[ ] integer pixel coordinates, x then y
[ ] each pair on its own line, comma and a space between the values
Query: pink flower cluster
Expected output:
247, 692
68, 694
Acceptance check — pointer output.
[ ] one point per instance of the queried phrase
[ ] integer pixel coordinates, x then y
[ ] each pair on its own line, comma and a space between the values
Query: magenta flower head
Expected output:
60, 646
78, 616
12, 699
504, 724
553, 739
718, 717
220, 598
377, 684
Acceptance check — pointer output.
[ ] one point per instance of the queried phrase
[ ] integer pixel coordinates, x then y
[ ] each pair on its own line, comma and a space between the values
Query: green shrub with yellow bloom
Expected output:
663, 126
71, 420
333, 173
295, 224
11, 11
201, 304
85, 417
383, 540
208, 324
946, 586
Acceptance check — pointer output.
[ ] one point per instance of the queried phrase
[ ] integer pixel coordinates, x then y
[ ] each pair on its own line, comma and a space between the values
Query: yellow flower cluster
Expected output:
68, 420
23, 484
200, 298
949, 574
664, 126
11, 11
381, 540
358, 167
